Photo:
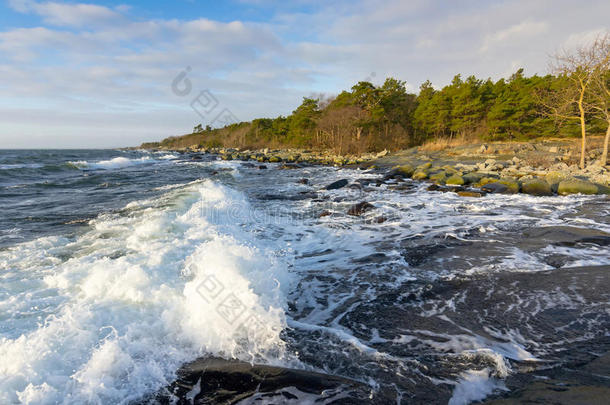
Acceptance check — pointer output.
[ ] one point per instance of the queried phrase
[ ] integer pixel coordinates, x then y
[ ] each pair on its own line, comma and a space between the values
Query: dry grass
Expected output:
439, 144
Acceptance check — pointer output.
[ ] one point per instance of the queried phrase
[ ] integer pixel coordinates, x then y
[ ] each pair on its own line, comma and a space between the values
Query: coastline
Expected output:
543, 168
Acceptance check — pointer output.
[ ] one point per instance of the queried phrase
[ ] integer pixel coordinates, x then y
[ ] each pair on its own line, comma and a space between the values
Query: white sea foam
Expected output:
114, 163
475, 385
138, 296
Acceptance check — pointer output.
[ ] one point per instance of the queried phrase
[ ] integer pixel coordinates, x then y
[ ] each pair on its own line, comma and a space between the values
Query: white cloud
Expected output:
70, 15
98, 70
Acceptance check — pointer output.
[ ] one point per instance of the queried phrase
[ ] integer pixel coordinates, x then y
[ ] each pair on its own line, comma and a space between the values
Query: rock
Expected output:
382, 153
553, 149
438, 177
495, 188
274, 159
576, 187
424, 166
486, 180
472, 178
262, 167
360, 208
449, 170
554, 178
337, 184
469, 194
512, 185
380, 220
537, 187
455, 180
405, 170
420, 175
324, 214
303, 181
483, 148
436, 187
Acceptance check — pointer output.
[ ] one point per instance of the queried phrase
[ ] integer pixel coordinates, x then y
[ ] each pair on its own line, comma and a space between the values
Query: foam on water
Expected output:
109, 316
116, 163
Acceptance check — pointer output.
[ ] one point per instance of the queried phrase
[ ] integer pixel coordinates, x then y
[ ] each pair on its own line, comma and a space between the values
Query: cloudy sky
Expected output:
116, 73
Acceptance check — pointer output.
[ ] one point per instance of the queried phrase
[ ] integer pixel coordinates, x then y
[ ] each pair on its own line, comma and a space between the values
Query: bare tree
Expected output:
598, 99
569, 103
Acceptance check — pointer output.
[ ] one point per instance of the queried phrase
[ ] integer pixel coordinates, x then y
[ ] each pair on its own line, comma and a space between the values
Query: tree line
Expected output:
570, 102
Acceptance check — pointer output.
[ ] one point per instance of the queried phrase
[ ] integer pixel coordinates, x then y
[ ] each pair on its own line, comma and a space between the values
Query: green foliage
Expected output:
371, 118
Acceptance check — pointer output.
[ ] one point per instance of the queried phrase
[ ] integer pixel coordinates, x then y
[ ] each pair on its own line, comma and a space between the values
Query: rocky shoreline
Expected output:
470, 171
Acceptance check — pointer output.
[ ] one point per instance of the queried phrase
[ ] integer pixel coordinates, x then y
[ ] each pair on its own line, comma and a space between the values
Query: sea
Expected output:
117, 267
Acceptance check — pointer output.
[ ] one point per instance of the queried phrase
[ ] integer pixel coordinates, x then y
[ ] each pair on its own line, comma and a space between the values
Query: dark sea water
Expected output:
118, 267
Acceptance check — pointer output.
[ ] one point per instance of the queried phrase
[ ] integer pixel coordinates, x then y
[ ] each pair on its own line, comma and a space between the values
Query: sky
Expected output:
118, 73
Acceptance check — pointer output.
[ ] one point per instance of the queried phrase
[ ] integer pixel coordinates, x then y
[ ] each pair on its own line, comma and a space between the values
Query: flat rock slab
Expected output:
218, 381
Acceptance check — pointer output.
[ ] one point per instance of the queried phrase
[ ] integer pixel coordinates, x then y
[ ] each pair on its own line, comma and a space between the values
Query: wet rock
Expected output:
337, 184
274, 159
565, 236
360, 208
380, 220
262, 167
511, 185
405, 170
303, 181
537, 187
437, 187
455, 180
472, 178
567, 187
469, 194
420, 175
496, 188
557, 260
438, 177
324, 213
219, 381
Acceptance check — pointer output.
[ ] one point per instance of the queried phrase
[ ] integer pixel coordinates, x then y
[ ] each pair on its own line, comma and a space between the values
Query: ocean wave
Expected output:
124, 305
21, 166
114, 163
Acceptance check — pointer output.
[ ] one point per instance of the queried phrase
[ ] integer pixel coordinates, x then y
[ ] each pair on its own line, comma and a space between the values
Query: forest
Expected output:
371, 117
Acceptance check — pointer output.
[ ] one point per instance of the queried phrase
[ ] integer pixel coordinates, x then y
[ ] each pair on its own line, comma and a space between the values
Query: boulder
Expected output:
472, 178
455, 180
438, 177
496, 188
405, 170
486, 180
424, 166
576, 187
360, 208
420, 175
469, 194
537, 187
555, 177
274, 159
512, 185
337, 184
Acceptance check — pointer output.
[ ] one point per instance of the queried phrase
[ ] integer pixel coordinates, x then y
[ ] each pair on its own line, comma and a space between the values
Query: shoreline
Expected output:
470, 170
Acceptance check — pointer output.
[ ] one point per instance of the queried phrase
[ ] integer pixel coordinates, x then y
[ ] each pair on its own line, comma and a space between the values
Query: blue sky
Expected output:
100, 74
